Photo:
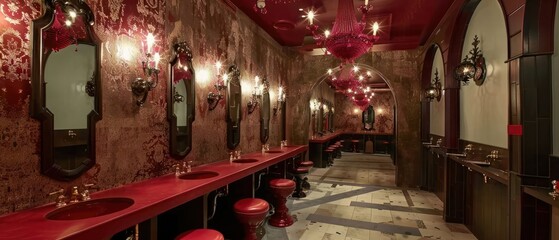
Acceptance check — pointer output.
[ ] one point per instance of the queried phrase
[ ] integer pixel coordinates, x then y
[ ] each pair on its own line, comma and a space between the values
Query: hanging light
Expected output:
346, 41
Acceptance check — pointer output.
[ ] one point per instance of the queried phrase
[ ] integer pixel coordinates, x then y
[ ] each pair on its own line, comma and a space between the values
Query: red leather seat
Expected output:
300, 170
201, 234
251, 213
306, 164
282, 183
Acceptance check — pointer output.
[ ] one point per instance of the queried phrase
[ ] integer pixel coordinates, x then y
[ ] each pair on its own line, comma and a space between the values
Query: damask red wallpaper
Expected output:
348, 120
132, 142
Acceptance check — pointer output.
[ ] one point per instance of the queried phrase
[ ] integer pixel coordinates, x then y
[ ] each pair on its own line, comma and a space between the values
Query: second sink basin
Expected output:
198, 175
90, 208
245, 160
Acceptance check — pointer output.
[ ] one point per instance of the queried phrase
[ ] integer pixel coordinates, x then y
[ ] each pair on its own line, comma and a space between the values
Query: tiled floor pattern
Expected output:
357, 199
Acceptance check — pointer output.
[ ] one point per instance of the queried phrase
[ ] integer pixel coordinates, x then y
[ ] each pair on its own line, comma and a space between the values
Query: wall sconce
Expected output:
472, 67
434, 90
280, 100
257, 93
315, 106
142, 86
220, 85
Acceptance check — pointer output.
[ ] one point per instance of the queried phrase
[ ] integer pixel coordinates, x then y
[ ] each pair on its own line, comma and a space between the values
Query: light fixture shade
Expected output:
464, 72
472, 67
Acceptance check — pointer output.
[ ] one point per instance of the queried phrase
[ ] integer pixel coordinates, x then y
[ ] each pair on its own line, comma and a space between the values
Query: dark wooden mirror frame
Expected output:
233, 112
38, 109
265, 113
182, 51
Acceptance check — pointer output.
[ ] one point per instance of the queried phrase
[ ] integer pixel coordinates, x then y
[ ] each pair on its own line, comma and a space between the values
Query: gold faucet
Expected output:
74, 195
494, 155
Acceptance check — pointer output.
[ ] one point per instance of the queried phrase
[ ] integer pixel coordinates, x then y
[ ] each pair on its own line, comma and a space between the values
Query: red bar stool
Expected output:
251, 213
355, 142
281, 189
299, 173
329, 151
201, 234
306, 164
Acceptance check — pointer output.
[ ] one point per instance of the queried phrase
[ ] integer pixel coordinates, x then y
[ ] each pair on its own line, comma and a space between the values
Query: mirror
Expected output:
180, 101
368, 118
233, 110
265, 113
325, 117
331, 119
66, 89
319, 117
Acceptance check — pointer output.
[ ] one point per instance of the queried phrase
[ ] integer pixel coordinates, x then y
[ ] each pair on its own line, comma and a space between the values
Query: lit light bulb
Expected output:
68, 23
72, 14
355, 68
368, 73
330, 71
375, 28
218, 65
326, 33
310, 16
156, 58
150, 39
361, 77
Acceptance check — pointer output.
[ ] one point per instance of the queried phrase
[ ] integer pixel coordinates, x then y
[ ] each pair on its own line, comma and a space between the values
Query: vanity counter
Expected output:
151, 198
491, 172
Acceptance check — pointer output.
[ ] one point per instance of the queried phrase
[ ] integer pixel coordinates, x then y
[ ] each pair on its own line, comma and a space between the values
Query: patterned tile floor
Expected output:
357, 199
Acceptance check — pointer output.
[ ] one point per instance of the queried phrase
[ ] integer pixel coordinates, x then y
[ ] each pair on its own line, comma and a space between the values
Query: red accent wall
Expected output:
132, 142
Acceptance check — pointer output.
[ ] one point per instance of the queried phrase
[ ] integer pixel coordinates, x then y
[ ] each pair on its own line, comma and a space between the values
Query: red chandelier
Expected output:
360, 96
347, 40
347, 77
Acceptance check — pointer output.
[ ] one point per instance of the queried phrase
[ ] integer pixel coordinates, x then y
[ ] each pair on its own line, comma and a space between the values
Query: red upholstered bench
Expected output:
201, 234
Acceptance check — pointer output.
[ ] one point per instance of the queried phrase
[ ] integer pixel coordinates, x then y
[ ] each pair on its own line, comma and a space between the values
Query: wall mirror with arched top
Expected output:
265, 112
233, 109
180, 101
66, 89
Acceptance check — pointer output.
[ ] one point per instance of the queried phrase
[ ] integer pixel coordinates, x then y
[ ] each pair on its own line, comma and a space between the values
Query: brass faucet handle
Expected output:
60, 191
86, 194
61, 199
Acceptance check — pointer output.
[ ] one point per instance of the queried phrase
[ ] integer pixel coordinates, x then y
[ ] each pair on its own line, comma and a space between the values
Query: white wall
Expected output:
555, 85
66, 73
484, 109
436, 111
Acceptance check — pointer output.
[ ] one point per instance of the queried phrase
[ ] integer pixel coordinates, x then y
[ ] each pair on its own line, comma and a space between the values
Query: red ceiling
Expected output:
405, 24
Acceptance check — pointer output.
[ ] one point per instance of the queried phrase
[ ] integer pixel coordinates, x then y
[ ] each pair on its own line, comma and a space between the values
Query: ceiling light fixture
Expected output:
346, 41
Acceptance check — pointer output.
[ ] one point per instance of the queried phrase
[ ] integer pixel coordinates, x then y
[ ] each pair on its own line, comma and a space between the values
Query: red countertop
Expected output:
328, 137
325, 138
151, 198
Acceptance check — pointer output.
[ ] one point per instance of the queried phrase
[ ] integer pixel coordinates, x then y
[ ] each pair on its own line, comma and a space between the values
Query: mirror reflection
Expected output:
233, 110
180, 110
265, 113
66, 90
67, 73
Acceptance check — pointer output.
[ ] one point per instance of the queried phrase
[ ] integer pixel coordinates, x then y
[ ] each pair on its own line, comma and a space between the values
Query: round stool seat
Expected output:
251, 212
306, 164
251, 206
329, 150
301, 170
282, 183
354, 141
201, 234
